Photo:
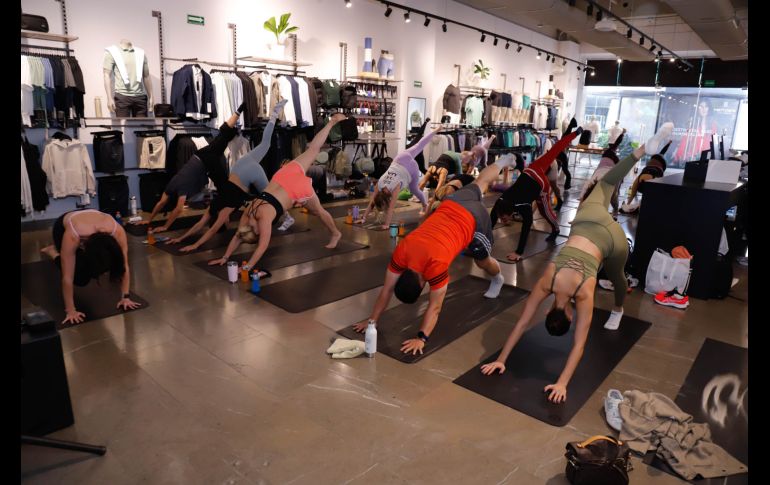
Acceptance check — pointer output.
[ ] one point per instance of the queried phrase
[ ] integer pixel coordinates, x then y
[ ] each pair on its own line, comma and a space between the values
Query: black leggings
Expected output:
213, 158
563, 163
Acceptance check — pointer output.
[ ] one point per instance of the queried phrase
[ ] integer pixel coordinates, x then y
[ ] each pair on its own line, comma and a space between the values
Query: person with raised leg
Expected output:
595, 240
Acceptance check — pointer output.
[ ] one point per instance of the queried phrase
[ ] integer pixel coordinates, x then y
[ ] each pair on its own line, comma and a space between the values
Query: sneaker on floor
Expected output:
611, 409
606, 285
414, 199
629, 208
632, 282
672, 298
287, 223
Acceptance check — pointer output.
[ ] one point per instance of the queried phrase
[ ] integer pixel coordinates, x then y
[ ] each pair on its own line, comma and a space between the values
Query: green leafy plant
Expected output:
280, 27
481, 70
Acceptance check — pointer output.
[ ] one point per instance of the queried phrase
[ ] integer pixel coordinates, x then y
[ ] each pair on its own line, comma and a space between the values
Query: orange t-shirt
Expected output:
431, 248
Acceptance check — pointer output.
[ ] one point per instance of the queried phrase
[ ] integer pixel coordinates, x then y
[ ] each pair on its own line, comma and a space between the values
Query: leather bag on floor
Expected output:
599, 460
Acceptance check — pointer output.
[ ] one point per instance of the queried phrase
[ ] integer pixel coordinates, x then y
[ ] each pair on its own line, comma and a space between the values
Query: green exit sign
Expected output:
418, 84
194, 19
709, 83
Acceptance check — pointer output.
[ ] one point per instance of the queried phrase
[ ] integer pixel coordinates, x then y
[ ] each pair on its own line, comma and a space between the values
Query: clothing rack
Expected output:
27, 49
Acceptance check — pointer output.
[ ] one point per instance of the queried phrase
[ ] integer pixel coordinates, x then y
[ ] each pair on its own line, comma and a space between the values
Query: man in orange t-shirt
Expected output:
424, 256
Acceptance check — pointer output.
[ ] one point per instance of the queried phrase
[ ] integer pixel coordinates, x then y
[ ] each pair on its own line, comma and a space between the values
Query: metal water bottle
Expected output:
255, 282
370, 339
133, 206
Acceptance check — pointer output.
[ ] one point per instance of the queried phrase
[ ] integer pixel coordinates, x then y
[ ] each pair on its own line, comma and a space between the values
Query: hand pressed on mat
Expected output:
558, 392
128, 304
219, 261
360, 327
187, 249
74, 316
489, 369
514, 256
412, 345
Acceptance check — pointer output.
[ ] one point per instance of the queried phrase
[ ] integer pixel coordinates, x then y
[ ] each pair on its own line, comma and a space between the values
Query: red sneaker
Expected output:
672, 298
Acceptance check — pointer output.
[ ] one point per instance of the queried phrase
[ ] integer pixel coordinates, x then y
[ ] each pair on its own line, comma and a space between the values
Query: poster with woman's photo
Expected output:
695, 120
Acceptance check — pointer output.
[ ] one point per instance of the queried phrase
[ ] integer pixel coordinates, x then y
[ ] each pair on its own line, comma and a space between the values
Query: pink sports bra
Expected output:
115, 227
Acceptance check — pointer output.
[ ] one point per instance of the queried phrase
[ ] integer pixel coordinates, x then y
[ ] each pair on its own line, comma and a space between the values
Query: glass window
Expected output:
638, 116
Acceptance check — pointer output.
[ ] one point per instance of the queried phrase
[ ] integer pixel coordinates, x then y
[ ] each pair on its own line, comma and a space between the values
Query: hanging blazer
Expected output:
183, 97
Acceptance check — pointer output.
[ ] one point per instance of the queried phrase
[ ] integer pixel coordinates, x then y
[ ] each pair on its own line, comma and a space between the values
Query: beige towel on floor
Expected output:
653, 421
343, 348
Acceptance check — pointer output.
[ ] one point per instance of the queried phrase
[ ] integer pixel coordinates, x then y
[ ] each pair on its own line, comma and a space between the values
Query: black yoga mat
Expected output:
536, 244
465, 308
283, 255
721, 372
219, 240
538, 360
185, 222
342, 210
315, 289
411, 220
41, 285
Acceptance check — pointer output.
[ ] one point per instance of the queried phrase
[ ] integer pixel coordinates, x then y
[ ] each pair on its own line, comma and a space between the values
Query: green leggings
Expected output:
593, 222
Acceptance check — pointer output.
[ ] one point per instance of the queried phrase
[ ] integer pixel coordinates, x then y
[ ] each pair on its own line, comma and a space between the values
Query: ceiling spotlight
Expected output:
547, 57
553, 59
348, 3
427, 21
657, 59
443, 27
629, 33
564, 62
620, 61
671, 60
519, 48
599, 15
641, 40
538, 54
406, 18
652, 47
495, 42
578, 67
507, 44
483, 36
590, 9
660, 53
388, 11
593, 72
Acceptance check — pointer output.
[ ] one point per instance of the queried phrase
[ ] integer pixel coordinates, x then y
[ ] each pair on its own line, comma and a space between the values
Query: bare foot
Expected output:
50, 251
334, 240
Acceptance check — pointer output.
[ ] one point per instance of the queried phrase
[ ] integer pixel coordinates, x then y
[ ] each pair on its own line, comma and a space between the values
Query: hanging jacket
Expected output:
68, 167
37, 177
183, 96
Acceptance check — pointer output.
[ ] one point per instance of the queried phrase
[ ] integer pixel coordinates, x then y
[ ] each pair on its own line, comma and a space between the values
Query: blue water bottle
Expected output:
255, 282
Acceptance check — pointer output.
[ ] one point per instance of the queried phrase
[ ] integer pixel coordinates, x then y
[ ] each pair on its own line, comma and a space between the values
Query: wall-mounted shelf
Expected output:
367, 98
372, 80
29, 34
117, 118
372, 117
278, 62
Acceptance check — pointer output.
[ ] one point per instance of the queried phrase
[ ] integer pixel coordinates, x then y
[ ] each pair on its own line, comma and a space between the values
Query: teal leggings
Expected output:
593, 222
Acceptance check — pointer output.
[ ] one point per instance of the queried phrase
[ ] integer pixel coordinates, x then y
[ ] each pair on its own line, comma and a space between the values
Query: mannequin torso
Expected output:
123, 77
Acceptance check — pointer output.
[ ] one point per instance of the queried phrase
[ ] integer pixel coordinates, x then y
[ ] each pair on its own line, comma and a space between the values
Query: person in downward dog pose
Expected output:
532, 186
451, 163
288, 187
595, 239
424, 255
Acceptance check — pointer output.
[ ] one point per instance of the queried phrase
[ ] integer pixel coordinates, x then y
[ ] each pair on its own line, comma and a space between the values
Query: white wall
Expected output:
422, 54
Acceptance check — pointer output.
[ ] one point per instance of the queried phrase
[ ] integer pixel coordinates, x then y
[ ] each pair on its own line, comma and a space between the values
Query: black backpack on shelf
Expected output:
349, 128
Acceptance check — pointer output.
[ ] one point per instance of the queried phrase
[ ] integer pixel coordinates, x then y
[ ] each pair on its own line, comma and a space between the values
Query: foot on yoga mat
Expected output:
536, 243
180, 223
283, 255
41, 285
538, 359
342, 210
326, 286
219, 240
719, 377
464, 309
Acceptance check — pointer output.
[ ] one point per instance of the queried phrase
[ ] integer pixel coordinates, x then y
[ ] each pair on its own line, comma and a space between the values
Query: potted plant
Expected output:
280, 29
480, 73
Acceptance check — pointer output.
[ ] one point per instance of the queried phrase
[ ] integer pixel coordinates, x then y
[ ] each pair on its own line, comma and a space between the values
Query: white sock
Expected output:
614, 321
495, 286
506, 161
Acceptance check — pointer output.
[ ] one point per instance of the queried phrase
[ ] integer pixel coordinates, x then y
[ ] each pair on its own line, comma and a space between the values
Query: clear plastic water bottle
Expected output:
133, 206
370, 339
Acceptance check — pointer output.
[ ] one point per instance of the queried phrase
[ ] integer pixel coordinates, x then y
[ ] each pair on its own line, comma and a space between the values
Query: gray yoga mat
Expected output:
538, 359
316, 289
283, 255
536, 244
464, 309
220, 240
41, 285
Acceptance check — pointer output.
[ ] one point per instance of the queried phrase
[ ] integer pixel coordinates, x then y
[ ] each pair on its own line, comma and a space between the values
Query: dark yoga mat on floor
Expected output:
538, 360
724, 369
41, 285
185, 222
220, 240
465, 308
283, 255
326, 286
342, 210
536, 244
411, 220
490, 199
564, 217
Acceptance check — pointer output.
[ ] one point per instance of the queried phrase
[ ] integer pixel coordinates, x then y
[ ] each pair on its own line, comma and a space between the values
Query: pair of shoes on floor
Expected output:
287, 223
673, 299
612, 409
607, 284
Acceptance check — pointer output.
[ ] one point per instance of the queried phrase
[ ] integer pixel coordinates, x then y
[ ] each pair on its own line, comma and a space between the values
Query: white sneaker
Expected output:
606, 285
611, 409
629, 208
655, 143
632, 282
414, 199
288, 221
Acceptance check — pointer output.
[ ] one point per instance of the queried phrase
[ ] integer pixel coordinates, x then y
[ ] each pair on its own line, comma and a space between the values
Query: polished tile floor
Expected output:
211, 385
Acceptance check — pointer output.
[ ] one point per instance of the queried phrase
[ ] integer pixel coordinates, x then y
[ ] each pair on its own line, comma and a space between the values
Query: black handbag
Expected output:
38, 23
349, 129
599, 460
163, 111
381, 160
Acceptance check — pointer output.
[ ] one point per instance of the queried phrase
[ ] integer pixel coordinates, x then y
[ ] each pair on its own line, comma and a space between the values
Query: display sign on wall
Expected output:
194, 19
418, 84
709, 83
